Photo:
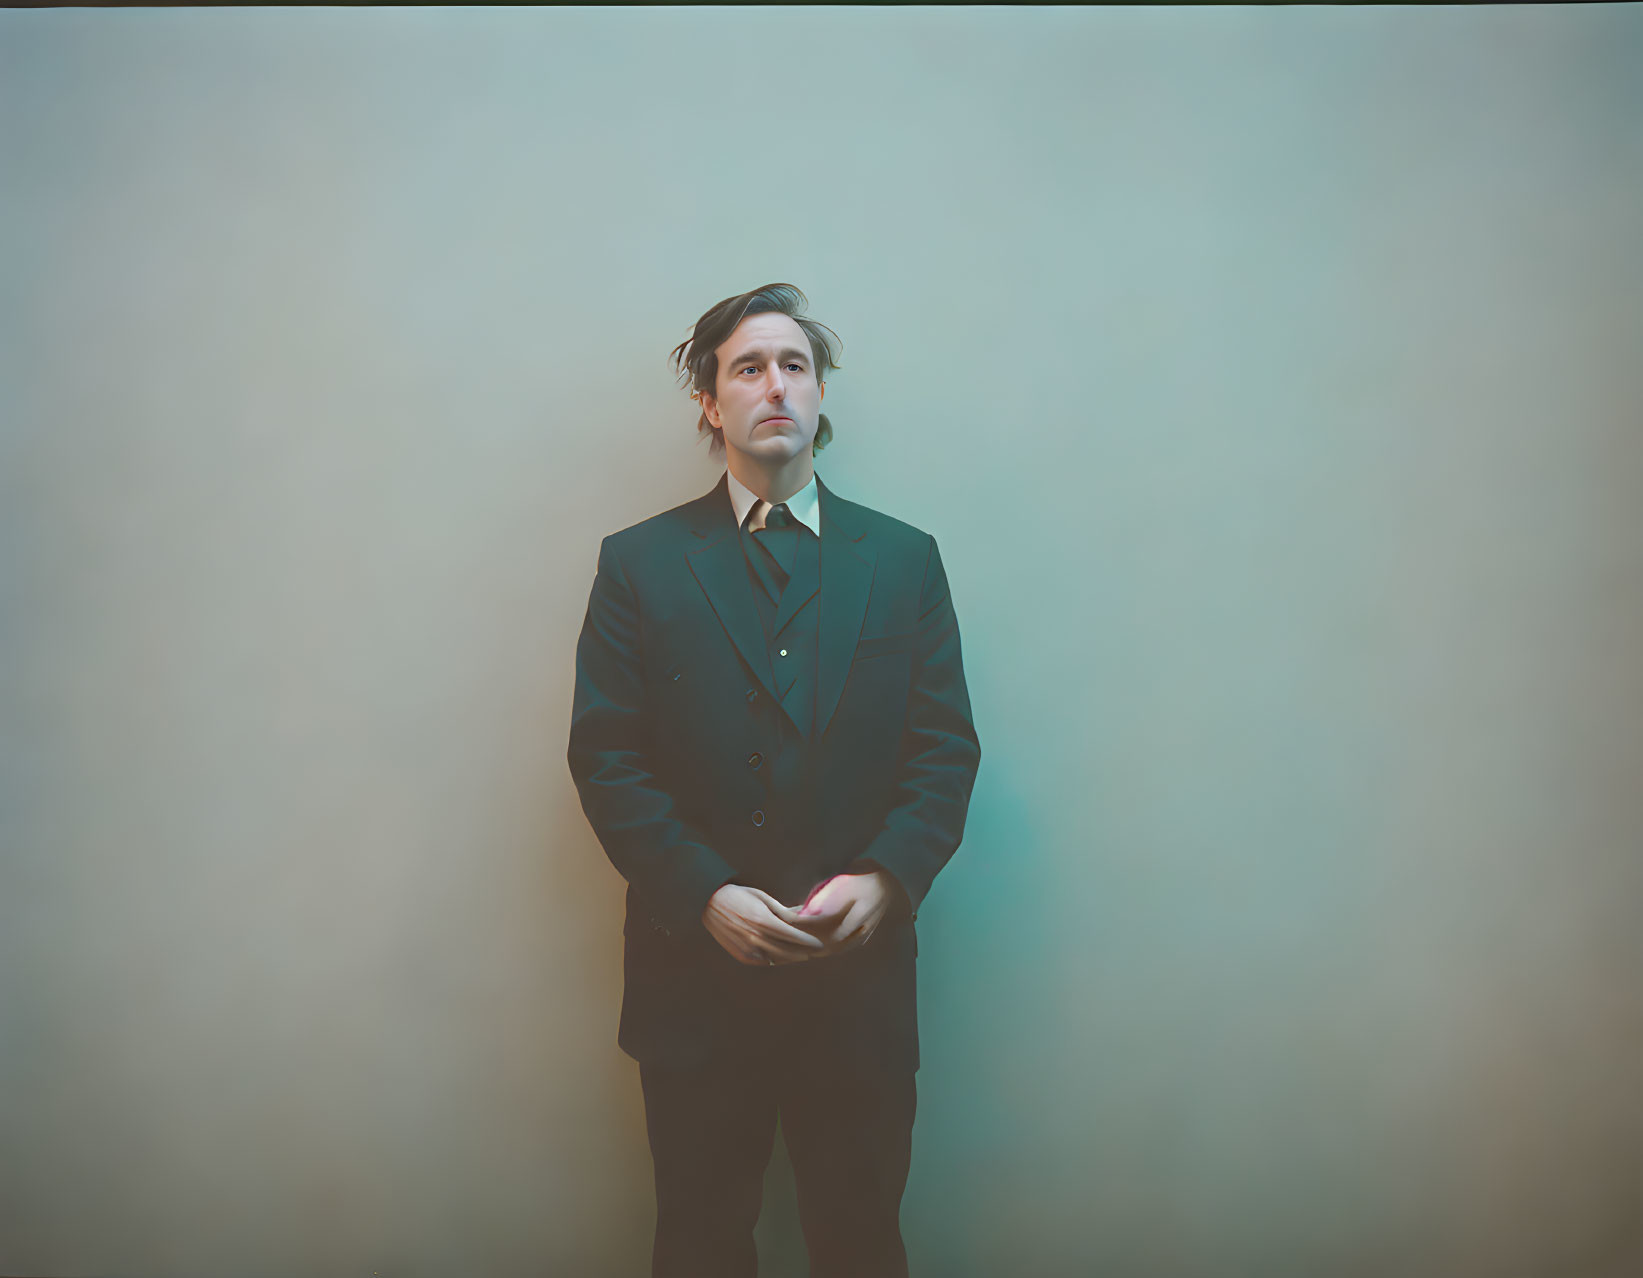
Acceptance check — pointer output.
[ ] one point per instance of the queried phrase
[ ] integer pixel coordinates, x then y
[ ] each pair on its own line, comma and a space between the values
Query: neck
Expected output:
774, 483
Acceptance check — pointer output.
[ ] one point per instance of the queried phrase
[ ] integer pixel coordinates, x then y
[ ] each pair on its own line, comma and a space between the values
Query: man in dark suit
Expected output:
771, 737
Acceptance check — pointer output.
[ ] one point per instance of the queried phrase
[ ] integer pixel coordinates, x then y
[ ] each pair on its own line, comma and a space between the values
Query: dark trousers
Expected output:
712, 1129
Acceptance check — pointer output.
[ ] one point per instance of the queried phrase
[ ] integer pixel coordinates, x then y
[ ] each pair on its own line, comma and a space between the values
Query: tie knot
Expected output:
779, 516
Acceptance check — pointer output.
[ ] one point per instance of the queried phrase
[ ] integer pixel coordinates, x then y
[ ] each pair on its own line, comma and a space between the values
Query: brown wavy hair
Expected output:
694, 358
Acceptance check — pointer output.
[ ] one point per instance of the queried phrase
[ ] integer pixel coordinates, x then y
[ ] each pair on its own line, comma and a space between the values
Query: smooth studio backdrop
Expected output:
1270, 379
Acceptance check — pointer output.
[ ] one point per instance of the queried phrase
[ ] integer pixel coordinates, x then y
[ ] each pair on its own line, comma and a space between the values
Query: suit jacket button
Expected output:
751, 693
755, 759
758, 816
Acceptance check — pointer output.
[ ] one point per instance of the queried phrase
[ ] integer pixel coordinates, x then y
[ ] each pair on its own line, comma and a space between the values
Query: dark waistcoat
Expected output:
790, 616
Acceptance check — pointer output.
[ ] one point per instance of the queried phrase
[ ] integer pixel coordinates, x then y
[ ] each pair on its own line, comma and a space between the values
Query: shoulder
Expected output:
660, 531
885, 530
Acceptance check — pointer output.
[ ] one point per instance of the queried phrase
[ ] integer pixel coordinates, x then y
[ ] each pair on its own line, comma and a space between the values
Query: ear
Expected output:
710, 407
821, 390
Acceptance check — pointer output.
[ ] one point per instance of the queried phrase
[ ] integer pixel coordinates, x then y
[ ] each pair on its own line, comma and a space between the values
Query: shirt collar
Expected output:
804, 505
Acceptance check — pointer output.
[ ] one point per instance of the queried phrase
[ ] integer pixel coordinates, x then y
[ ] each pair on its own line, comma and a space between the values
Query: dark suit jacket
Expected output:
673, 723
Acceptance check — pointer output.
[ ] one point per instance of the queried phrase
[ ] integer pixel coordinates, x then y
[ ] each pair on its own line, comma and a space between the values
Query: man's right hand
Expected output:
755, 928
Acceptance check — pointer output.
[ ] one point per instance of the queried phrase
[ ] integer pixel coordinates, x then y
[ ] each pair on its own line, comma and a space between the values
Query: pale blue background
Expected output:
1271, 381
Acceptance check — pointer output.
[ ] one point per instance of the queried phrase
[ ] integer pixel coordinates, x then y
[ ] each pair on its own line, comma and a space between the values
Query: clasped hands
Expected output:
755, 928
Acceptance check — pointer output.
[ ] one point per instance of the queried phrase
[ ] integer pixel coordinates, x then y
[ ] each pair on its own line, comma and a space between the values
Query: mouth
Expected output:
789, 420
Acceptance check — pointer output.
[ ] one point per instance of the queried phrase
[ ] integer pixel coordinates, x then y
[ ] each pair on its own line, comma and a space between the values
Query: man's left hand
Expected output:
847, 909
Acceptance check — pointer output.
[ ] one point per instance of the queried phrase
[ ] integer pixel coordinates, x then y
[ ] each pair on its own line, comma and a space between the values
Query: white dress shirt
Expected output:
804, 505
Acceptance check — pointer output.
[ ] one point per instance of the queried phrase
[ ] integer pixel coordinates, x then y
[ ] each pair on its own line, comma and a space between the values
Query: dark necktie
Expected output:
779, 536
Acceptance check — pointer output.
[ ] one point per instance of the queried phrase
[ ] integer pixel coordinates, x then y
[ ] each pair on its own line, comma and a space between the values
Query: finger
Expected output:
823, 888
871, 922
818, 898
851, 925
772, 940
791, 941
771, 903
825, 906
822, 898
785, 915
741, 943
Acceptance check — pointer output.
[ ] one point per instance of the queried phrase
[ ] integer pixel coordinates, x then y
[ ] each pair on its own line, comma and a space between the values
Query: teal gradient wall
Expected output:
1271, 380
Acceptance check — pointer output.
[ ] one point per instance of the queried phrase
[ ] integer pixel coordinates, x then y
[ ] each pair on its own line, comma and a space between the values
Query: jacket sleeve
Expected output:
940, 752
667, 861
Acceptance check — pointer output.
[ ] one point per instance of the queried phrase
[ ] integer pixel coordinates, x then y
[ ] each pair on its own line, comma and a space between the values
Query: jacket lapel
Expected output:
847, 563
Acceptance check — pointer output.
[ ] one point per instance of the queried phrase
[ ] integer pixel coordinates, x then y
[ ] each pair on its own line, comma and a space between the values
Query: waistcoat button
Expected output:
755, 759
758, 816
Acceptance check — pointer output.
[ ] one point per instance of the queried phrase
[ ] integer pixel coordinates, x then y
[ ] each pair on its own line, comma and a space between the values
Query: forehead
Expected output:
767, 333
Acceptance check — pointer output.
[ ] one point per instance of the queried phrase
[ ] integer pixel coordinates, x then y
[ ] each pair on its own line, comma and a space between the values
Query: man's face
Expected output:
767, 397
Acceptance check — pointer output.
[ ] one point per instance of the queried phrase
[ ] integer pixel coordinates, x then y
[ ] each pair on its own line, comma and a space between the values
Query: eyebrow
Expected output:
754, 356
